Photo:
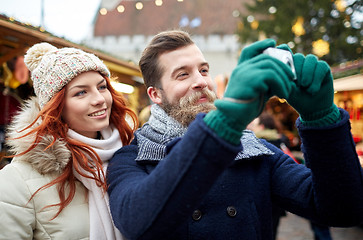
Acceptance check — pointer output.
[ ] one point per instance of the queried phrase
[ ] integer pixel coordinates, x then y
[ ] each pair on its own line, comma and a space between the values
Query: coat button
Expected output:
231, 211
197, 215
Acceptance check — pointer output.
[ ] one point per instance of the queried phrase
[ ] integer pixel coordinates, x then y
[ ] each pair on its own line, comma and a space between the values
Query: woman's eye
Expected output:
103, 87
80, 93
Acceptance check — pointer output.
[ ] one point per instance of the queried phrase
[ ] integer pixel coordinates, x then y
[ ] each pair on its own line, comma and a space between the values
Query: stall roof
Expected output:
16, 38
351, 76
350, 83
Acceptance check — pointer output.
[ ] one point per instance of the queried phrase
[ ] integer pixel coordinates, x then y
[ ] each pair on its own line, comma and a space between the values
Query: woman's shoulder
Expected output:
19, 180
14, 203
19, 171
14, 187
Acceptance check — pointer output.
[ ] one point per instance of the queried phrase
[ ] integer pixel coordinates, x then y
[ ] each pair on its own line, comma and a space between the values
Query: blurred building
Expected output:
124, 28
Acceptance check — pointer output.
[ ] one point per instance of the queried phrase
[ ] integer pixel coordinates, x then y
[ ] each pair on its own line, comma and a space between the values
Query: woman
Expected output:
62, 139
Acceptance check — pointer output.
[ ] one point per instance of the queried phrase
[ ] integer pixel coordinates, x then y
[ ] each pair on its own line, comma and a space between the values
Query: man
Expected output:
189, 176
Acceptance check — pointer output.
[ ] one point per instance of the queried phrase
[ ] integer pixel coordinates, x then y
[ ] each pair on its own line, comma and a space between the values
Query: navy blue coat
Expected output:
199, 190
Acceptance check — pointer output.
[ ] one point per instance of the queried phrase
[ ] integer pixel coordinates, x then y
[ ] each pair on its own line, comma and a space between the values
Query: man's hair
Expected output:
161, 43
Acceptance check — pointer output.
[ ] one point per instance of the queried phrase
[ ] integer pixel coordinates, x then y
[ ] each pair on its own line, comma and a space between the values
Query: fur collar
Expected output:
52, 160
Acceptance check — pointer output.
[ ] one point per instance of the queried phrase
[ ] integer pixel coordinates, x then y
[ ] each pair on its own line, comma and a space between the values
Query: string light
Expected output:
341, 5
103, 11
254, 25
322, 29
139, 5
291, 44
298, 28
347, 24
120, 8
250, 18
272, 10
320, 47
158, 2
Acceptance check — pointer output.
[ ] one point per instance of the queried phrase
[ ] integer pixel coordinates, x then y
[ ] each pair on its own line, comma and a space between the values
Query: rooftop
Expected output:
200, 17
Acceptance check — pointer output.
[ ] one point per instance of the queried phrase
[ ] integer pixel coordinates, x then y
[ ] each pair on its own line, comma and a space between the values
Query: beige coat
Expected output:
24, 219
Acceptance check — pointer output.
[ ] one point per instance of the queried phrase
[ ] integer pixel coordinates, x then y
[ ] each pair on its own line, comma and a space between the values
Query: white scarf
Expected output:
101, 224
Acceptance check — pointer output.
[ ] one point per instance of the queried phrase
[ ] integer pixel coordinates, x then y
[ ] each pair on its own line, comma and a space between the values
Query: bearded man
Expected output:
194, 172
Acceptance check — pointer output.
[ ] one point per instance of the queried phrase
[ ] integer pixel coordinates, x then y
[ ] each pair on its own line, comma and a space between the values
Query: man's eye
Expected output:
181, 75
205, 70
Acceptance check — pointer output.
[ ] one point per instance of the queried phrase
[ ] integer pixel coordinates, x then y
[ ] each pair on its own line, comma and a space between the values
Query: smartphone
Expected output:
284, 56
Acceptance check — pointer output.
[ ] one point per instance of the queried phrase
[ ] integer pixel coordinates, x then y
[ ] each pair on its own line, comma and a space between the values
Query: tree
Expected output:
331, 29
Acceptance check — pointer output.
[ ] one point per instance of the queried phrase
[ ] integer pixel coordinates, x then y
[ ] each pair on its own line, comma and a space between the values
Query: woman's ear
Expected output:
154, 94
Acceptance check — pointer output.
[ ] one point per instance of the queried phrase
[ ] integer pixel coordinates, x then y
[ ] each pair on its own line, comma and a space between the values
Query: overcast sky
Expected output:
71, 19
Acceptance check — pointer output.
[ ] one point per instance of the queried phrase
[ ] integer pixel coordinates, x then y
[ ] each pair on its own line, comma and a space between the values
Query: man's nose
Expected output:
199, 82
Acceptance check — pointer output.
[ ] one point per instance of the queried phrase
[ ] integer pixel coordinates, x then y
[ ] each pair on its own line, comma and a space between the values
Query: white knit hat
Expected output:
52, 68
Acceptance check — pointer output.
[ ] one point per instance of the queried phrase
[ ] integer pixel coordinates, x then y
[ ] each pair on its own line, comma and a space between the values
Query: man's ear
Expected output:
154, 94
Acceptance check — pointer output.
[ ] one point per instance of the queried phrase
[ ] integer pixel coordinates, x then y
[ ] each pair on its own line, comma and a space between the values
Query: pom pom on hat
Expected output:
52, 68
35, 54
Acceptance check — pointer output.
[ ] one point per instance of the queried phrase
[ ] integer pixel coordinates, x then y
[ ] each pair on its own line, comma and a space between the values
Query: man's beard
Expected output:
188, 107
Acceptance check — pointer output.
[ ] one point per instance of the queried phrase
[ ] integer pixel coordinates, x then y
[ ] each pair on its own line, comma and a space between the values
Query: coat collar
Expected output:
252, 147
44, 160
152, 145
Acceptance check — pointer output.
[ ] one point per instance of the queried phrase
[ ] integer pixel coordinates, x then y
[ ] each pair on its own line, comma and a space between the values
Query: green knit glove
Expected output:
256, 78
312, 94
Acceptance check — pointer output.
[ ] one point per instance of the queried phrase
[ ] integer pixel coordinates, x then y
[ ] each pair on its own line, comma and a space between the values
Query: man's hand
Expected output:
255, 49
256, 78
313, 93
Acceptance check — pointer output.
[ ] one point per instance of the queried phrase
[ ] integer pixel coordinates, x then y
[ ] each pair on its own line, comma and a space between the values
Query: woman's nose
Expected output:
97, 98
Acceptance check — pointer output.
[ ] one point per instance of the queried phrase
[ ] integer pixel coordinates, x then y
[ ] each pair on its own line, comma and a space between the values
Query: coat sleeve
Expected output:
331, 155
330, 189
141, 203
16, 211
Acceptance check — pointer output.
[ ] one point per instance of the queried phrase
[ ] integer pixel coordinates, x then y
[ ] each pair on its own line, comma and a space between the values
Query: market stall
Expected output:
349, 96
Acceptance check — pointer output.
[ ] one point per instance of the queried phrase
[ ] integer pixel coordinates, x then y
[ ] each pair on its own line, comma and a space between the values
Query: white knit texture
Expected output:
52, 68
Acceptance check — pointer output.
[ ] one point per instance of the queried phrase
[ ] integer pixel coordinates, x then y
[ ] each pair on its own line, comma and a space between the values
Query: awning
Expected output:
16, 38
350, 83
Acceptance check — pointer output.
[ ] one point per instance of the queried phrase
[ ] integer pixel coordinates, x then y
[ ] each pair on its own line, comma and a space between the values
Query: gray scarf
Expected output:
154, 135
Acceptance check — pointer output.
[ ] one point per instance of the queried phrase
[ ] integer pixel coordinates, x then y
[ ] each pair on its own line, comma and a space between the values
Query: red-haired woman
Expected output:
62, 139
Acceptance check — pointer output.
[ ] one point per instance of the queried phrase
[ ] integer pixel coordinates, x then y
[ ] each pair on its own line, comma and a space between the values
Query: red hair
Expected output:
52, 124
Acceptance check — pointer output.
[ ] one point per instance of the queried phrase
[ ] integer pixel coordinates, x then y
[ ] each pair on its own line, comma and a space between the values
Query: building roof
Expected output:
16, 38
201, 17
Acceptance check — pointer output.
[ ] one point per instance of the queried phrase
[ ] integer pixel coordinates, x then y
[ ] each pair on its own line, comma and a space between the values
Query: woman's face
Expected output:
88, 104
